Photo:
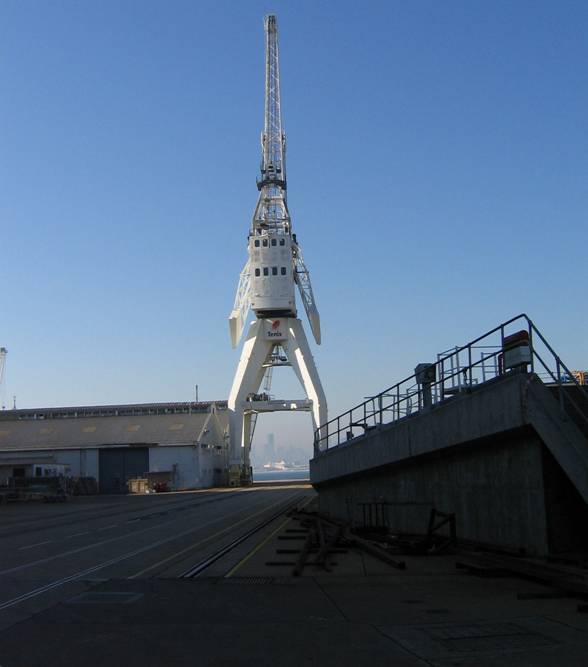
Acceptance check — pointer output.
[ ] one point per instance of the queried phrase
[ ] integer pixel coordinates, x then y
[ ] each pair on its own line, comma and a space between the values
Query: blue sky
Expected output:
437, 167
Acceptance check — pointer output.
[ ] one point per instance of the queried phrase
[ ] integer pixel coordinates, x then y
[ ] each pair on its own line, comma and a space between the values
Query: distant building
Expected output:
270, 448
116, 442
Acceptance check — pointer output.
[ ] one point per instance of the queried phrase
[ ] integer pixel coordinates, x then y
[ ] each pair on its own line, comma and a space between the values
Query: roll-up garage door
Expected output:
117, 465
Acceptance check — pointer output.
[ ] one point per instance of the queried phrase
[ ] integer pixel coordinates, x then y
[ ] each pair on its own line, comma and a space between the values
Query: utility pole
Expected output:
3, 353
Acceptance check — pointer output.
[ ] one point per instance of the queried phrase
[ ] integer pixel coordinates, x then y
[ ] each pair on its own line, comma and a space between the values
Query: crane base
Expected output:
240, 475
244, 400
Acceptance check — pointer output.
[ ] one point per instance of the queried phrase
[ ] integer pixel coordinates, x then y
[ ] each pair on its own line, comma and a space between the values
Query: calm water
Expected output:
279, 475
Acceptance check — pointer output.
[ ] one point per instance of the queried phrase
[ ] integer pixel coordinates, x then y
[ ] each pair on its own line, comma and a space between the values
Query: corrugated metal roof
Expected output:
87, 432
99, 411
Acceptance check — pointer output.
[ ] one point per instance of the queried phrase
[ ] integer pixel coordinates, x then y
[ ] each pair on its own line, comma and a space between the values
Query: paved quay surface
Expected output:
49, 552
242, 611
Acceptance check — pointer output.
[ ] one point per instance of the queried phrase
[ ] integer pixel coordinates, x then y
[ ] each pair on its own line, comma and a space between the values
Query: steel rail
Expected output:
200, 497
197, 569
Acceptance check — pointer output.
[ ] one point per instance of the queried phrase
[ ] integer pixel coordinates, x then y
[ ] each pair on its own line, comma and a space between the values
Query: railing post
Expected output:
560, 386
457, 366
442, 380
532, 348
403, 393
470, 363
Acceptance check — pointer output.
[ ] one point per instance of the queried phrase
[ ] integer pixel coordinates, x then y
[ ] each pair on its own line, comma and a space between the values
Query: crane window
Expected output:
283, 271
257, 243
264, 243
257, 273
274, 270
282, 241
265, 271
274, 241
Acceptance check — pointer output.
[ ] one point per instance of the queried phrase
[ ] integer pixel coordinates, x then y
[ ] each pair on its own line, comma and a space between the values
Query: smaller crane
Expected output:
3, 352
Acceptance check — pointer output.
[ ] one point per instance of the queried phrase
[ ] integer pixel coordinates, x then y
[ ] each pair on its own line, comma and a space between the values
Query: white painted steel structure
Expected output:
267, 285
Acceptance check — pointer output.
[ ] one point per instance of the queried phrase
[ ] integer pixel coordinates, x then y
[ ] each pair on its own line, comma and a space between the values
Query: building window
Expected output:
264, 243
265, 271
256, 243
283, 271
274, 270
282, 241
257, 273
274, 241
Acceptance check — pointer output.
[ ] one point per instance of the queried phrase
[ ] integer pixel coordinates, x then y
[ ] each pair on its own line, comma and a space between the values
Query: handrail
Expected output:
407, 393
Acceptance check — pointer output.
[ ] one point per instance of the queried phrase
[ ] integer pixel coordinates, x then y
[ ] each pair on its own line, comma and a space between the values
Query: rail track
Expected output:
188, 501
197, 569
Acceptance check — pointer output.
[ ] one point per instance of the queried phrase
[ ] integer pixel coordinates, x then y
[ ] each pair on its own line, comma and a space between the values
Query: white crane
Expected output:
267, 286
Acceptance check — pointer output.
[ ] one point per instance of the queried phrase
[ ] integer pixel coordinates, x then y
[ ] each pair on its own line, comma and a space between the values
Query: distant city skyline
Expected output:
270, 451
436, 168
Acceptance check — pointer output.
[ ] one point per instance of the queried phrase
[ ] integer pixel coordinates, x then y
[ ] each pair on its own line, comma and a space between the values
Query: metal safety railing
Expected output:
457, 371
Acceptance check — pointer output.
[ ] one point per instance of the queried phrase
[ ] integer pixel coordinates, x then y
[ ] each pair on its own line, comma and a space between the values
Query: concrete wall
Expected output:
185, 458
214, 452
482, 455
213, 465
82, 462
198, 466
492, 410
496, 493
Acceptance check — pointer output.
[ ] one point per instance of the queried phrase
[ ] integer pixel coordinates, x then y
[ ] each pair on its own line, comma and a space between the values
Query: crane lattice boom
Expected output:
271, 225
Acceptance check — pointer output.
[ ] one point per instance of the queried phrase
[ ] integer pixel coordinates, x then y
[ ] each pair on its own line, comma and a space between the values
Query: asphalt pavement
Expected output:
110, 581
51, 551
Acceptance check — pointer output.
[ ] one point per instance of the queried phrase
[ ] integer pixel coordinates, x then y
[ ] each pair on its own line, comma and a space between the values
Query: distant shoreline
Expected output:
260, 474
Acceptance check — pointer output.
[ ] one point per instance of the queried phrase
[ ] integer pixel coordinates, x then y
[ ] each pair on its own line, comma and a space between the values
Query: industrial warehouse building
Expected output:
117, 442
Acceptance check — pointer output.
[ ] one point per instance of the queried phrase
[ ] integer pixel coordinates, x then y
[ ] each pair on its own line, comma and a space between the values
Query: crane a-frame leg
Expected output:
299, 355
255, 354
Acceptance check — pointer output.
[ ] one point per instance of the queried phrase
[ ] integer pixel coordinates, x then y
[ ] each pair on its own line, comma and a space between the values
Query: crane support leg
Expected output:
248, 377
299, 354
256, 352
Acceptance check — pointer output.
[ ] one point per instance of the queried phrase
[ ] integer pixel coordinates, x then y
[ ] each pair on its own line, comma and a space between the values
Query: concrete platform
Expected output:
252, 613
400, 620
503, 457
